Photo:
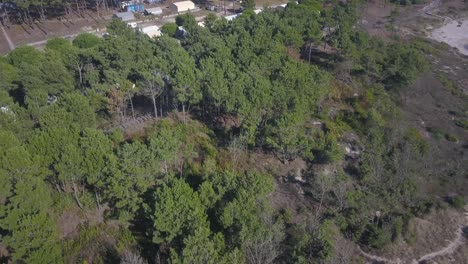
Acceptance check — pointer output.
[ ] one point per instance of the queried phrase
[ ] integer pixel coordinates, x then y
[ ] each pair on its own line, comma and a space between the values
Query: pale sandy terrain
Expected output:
454, 33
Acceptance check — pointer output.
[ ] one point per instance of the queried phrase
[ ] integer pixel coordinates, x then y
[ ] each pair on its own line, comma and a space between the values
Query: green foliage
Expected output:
186, 20
86, 41
457, 201
8, 75
25, 55
251, 80
437, 133
417, 141
449, 84
398, 227
451, 137
248, 4
169, 29
95, 243
31, 231
462, 123
118, 27
376, 236
202, 248
178, 212
71, 110
59, 44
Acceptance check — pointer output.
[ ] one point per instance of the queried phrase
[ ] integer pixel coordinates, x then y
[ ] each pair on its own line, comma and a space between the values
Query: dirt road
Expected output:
7, 38
458, 241
450, 248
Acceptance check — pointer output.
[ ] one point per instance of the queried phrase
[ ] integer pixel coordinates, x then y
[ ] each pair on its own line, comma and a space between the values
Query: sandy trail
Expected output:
450, 248
10, 43
458, 241
454, 33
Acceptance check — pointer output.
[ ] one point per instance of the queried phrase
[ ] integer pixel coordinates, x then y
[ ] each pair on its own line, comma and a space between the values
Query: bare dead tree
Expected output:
154, 87
129, 257
265, 247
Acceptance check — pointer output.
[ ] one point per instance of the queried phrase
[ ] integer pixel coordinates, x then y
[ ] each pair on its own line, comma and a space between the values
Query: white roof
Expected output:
184, 5
125, 16
151, 31
231, 17
154, 10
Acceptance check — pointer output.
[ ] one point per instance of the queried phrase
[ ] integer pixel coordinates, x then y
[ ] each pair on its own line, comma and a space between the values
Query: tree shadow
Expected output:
41, 29
25, 30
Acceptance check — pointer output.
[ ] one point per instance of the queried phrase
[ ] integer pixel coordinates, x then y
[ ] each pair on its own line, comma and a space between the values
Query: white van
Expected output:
132, 24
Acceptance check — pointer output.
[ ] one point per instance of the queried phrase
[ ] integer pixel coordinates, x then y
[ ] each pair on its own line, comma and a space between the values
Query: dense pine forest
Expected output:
185, 182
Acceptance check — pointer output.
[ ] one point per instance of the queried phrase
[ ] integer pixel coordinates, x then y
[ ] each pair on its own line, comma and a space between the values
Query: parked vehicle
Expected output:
239, 10
132, 24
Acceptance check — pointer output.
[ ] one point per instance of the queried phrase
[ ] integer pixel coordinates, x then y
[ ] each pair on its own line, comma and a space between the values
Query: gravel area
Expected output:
454, 33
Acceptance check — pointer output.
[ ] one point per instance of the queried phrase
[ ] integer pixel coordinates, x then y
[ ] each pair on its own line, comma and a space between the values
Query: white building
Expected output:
231, 17
157, 11
151, 31
184, 6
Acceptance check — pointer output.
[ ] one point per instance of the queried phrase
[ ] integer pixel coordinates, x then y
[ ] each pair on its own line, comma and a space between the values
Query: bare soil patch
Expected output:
454, 33
429, 106
62, 26
69, 221
438, 237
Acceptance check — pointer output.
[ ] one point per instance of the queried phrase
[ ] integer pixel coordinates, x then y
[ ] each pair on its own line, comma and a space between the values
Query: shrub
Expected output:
169, 29
437, 133
376, 237
86, 40
451, 137
462, 123
457, 202
397, 227
416, 140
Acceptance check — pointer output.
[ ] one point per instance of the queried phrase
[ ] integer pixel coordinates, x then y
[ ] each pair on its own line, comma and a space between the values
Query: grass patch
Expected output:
436, 132
462, 123
451, 137
449, 85
457, 202
102, 244
439, 134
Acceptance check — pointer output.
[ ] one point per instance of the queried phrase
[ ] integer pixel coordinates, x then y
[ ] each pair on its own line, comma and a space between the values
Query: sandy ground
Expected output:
454, 33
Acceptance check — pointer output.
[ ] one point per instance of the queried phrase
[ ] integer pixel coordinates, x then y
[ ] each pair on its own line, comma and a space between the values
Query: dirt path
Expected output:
450, 248
426, 10
377, 258
10, 43
458, 241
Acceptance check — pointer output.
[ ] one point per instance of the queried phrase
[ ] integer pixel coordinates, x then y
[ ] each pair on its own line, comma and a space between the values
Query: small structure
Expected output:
124, 4
153, 1
125, 16
135, 8
231, 17
132, 25
184, 6
151, 31
156, 11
